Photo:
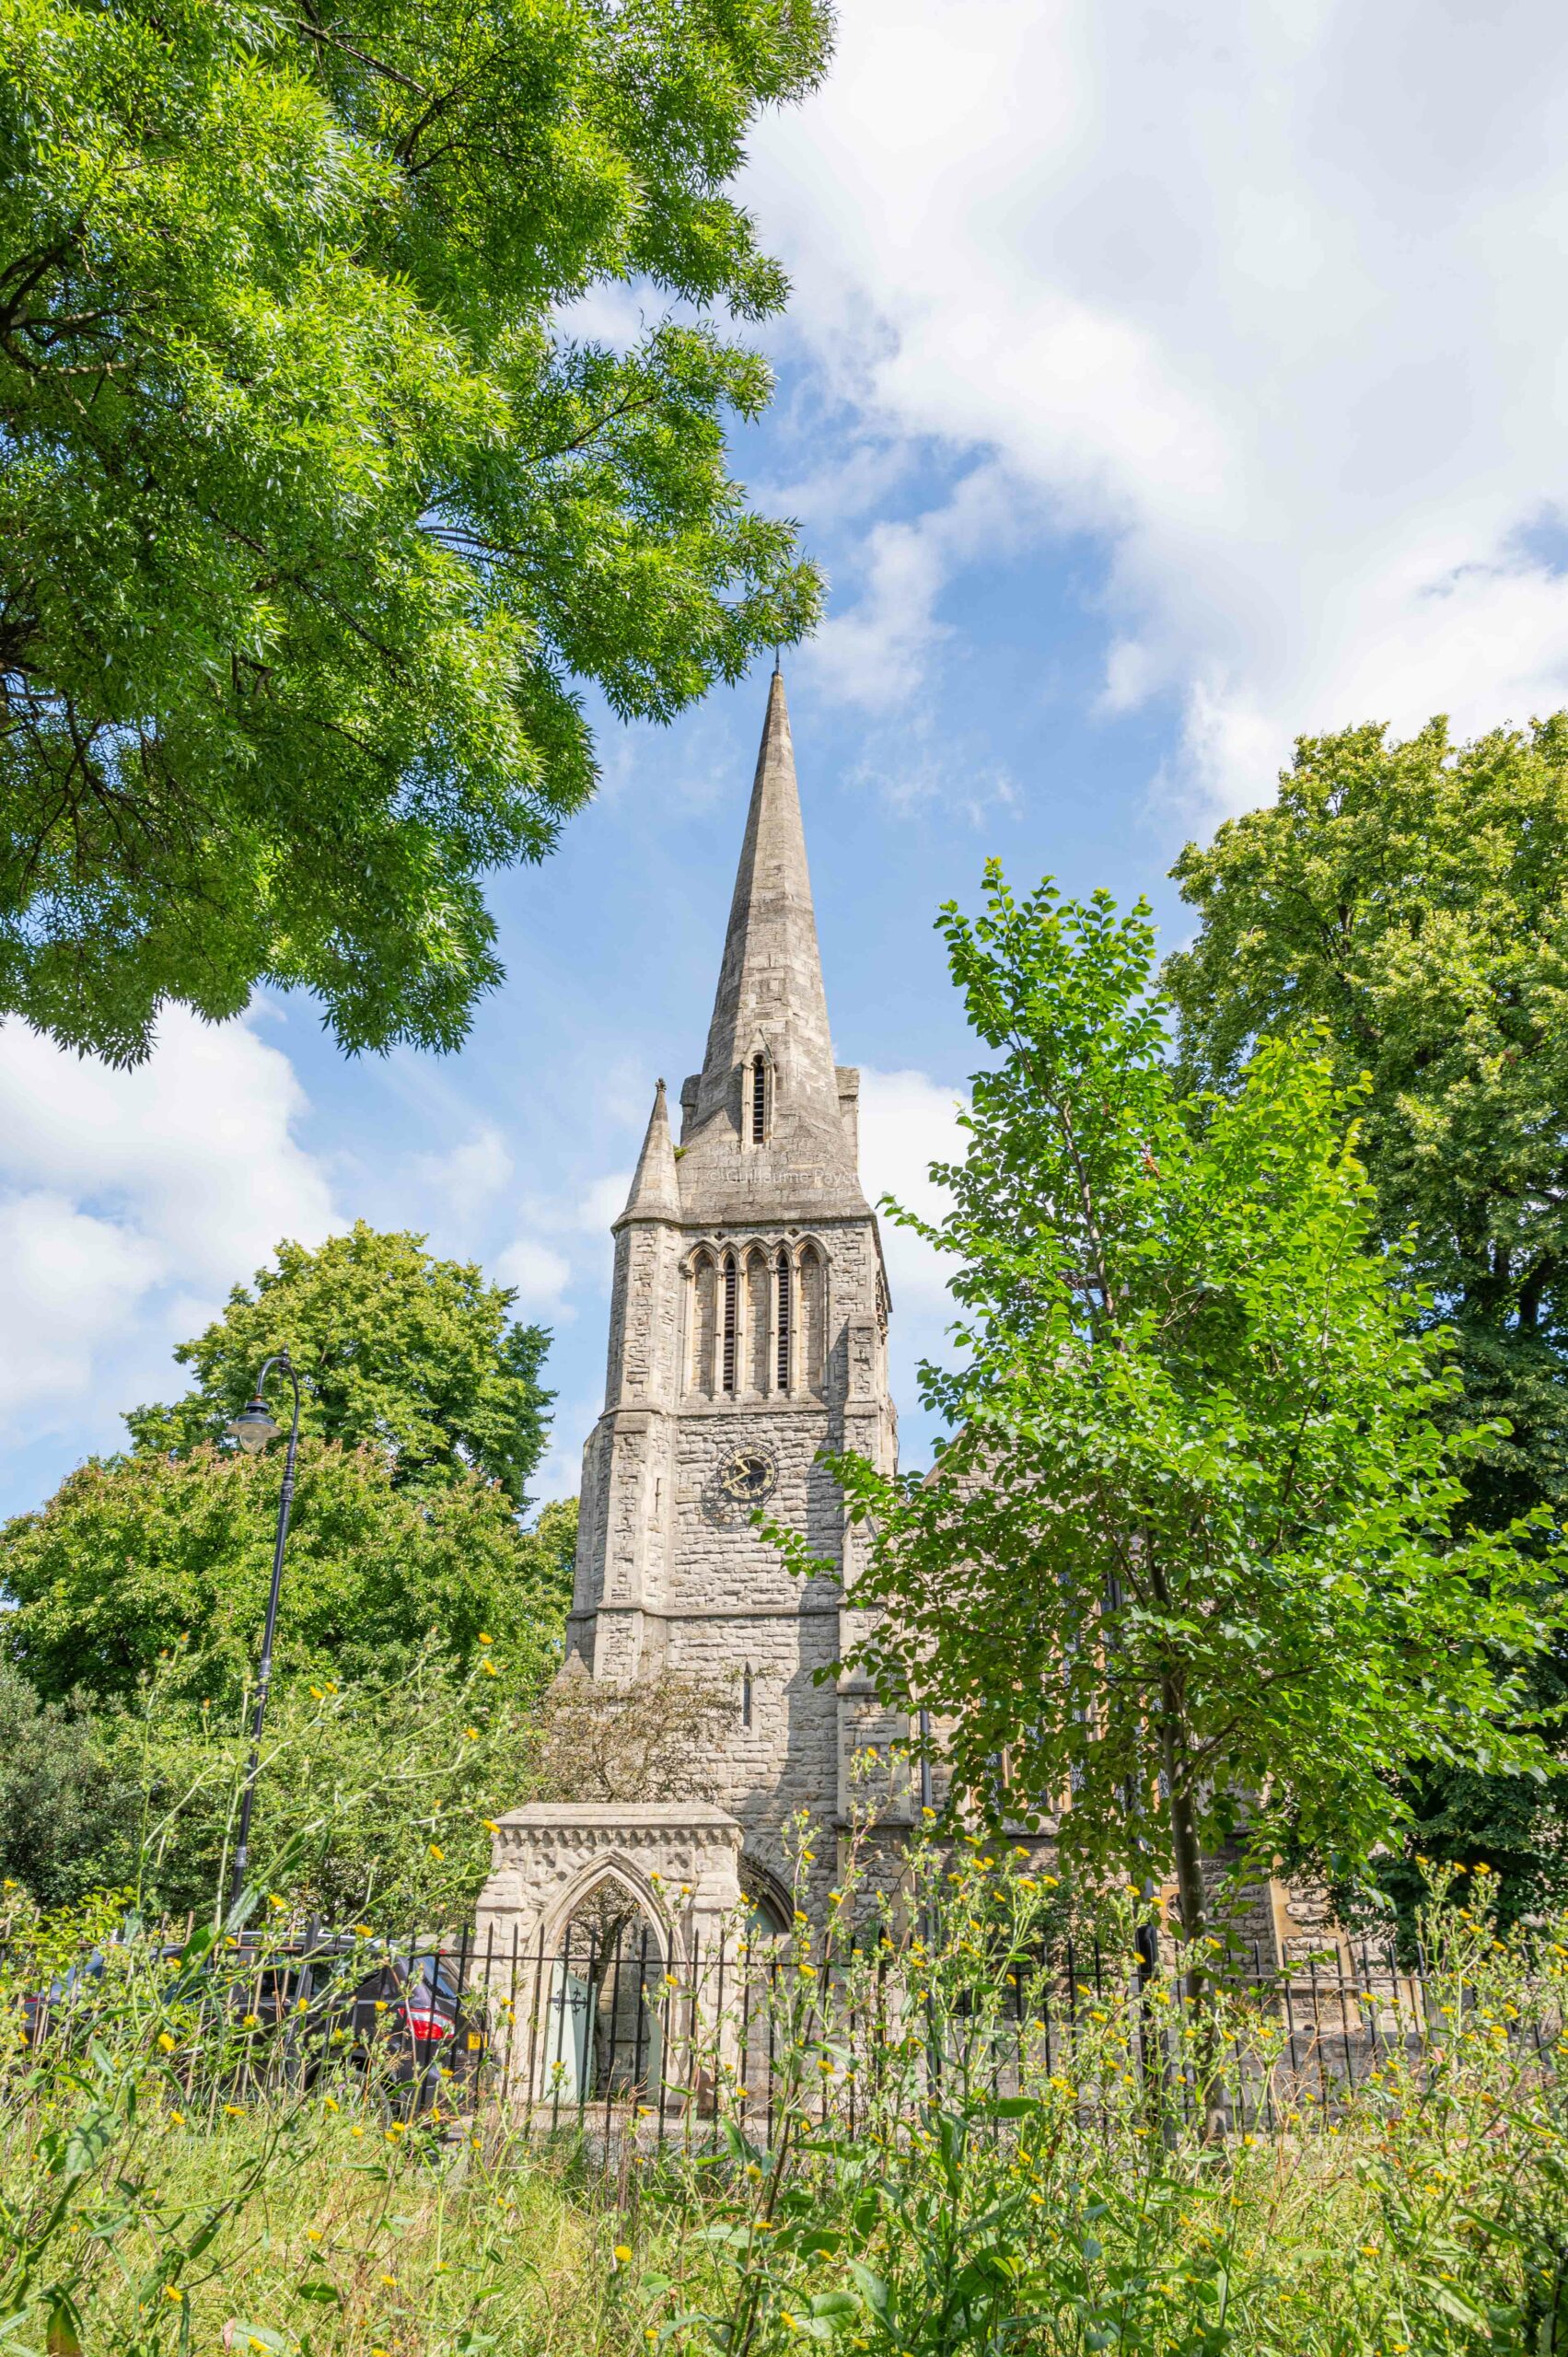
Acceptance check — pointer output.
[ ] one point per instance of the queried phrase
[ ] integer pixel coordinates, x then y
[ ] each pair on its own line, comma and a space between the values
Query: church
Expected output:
748, 1336
748, 1339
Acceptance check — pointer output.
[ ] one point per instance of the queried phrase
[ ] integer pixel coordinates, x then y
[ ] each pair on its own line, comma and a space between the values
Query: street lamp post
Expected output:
254, 1428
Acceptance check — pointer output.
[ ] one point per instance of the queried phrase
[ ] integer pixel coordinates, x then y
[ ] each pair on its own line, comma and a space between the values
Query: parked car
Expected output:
406, 2017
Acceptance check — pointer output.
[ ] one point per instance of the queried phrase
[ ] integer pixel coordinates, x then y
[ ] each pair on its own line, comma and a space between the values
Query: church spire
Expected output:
769, 998
656, 1189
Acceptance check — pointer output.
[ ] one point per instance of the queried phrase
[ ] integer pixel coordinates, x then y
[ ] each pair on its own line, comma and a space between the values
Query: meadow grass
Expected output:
147, 2206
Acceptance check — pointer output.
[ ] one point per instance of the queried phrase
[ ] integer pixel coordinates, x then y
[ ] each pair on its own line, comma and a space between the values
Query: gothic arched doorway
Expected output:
605, 1991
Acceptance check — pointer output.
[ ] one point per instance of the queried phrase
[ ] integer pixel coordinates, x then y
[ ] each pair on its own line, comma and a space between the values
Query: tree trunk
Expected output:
1193, 1901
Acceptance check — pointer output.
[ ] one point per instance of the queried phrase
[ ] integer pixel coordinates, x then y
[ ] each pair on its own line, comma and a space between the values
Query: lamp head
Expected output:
254, 1428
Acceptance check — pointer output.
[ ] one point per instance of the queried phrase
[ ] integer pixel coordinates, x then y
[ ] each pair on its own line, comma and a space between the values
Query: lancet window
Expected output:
731, 1351
704, 1322
758, 1321
813, 1318
758, 1100
783, 1316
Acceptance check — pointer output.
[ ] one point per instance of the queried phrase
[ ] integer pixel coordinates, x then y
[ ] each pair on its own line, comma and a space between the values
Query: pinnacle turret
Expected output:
656, 1189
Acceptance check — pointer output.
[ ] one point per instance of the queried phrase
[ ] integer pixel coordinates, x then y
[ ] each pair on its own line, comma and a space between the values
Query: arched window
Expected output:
813, 1318
704, 1322
758, 1100
731, 1322
782, 1320
756, 1320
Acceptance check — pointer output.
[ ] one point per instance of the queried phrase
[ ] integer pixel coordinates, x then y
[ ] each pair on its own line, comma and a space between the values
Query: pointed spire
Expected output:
656, 1189
769, 994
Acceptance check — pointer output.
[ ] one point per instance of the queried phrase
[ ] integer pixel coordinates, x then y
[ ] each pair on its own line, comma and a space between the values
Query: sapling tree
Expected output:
1190, 1567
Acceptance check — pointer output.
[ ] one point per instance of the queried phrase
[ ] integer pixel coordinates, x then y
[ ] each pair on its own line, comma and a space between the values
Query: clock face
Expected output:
751, 1476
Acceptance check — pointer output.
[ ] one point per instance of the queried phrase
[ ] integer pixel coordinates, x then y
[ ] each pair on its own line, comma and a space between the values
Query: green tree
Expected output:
395, 1349
157, 1567
376, 1797
68, 1809
315, 507
1407, 905
1187, 1563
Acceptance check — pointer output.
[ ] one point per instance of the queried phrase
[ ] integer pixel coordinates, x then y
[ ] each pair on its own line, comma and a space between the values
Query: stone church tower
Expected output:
748, 1334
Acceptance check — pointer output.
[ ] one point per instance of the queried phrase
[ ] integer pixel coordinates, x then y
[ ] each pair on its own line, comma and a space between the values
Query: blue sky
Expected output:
1161, 381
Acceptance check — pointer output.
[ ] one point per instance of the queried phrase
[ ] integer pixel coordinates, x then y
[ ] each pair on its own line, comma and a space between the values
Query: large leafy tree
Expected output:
1189, 1566
1406, 905
414, 1356
314, 506
157, 1567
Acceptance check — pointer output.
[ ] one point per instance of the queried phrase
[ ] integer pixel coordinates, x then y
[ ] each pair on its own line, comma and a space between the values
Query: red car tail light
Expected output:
427, 2025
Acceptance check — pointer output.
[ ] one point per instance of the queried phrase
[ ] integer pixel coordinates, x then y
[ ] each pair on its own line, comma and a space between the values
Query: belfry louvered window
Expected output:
731, 1321
704, 1323
782, 1323
759, 1101
754, 1310
812, 1369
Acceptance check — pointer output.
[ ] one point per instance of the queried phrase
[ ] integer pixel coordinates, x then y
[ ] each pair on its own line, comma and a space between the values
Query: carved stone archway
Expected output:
678, 1864
678, 1859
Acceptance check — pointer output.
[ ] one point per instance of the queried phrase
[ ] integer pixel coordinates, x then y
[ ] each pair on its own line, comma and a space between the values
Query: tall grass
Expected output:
934, 2176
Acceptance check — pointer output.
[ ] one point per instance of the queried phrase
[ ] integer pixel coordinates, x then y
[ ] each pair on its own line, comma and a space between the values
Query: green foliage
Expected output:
1045, 2190
1406, 906
1195, 1533
373, 1801
162, 2179
68, 1818
313, 507
395, 1350
151, 1560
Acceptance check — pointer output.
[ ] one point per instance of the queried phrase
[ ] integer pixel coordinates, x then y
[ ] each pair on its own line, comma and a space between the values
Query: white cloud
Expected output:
577, 1223
908, 1122
873, 653
131, 1202
539, 1274
590, 1208
70, 1278
466, 1180
1255, 294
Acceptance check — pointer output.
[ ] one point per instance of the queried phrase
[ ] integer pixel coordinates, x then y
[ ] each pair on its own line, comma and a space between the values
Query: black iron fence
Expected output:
611, 2039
